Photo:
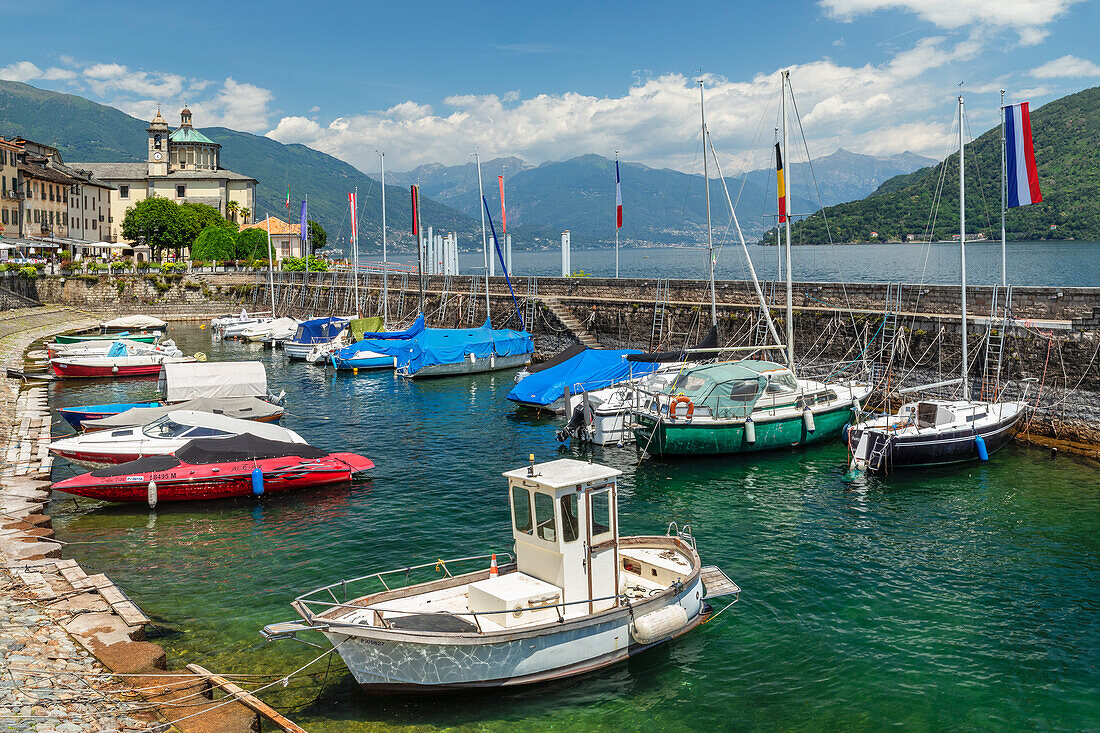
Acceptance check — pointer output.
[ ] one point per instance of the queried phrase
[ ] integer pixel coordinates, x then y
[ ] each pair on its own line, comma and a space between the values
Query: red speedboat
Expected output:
218, 468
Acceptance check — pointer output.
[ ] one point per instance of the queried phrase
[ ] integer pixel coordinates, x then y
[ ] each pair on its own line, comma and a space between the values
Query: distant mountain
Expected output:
660, 205
88, 132
1066, 133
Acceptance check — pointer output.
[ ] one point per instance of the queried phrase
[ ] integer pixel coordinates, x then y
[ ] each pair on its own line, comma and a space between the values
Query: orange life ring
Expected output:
680, 401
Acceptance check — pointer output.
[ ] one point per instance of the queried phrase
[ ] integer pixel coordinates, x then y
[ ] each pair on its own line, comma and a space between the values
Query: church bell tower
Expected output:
158, 146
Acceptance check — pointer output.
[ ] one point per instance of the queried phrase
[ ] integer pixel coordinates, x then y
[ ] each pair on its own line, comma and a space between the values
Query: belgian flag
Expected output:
781, 184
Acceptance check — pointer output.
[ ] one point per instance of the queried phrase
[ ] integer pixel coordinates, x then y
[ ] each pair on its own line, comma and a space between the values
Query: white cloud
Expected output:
26, 71
1068, 67
1029, 18
901, 104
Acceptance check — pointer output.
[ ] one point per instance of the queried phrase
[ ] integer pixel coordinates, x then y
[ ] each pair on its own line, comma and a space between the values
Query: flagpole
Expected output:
484, 240
355, 251
385, 265
962, 250
787, 224
1004, 194
616, 215
270, 276
304, 237
706, 186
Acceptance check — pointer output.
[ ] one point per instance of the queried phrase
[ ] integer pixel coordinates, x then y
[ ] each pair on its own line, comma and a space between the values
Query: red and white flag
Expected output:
618, 199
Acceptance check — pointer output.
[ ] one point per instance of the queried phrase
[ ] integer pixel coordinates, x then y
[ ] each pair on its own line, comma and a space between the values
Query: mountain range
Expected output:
925, 203
661, 205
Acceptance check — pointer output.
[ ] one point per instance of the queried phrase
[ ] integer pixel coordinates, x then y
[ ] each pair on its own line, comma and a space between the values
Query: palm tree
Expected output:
245, 213
231, 209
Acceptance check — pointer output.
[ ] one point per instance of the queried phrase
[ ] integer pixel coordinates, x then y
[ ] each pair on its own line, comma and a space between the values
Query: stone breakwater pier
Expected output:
72, 651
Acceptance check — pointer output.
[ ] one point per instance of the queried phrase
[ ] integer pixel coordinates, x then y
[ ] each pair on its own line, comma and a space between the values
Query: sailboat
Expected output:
746, 405
939, 431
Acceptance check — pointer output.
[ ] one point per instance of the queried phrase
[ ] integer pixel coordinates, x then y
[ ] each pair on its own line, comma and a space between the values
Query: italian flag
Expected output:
288, 197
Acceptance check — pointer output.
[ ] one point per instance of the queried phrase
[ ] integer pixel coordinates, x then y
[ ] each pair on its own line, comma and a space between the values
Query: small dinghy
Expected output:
79, 338
121, 347
242, 408
160, 437
218, 468
129, 323
577, 597
92, 367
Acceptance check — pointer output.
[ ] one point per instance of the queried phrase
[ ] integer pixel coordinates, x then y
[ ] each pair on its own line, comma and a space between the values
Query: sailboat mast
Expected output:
1004, 194
484, 239
270, 257
784, 80
355, 250
385, 265
706, 186
962, 249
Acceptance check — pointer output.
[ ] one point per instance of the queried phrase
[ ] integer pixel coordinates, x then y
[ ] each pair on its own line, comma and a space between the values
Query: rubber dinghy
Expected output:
218, 468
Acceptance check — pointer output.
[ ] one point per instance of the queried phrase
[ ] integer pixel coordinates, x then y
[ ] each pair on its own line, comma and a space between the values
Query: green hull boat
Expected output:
76, 338
713, 437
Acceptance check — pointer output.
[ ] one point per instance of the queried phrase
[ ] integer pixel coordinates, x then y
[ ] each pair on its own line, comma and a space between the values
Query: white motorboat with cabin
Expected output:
577, 597
162, 437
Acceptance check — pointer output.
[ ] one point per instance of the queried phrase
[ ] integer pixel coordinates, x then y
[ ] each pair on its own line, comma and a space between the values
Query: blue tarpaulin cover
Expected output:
450, 345
387, 343
117, 349
319, 330
589, 370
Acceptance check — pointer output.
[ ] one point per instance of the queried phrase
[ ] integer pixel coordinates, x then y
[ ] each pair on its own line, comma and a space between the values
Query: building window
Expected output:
181, 191
94, 226
5, 216
85, 223
66, 218
124, 192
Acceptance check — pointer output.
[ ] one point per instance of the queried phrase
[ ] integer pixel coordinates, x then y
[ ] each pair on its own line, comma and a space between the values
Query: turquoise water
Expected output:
1062, 264
961, 598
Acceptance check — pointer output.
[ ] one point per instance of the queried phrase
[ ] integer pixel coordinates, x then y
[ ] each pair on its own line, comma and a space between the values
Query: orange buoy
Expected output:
493, 571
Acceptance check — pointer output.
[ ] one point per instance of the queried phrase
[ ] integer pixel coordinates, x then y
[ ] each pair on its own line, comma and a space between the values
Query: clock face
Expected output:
156, 156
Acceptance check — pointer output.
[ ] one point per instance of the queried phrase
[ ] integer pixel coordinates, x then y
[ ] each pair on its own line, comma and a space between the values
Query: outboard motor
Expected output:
573, 428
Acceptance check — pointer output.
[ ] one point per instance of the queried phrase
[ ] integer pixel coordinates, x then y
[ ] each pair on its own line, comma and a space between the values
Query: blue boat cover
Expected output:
415, 328
117, 349
434, 346
319, 330
589, 370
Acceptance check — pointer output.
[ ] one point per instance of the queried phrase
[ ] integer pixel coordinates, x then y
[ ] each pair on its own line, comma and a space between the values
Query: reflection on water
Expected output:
936, 599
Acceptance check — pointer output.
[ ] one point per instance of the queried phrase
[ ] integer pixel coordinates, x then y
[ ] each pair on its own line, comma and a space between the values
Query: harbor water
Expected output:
955, 598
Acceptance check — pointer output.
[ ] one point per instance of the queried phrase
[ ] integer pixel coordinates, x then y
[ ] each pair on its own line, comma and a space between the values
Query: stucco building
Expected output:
286, 239
182, 165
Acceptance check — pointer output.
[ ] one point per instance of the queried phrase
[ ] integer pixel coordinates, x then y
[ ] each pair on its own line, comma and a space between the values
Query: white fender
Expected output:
659, 624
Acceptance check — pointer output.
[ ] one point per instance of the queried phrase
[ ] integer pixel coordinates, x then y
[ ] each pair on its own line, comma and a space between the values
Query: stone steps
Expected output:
566, 318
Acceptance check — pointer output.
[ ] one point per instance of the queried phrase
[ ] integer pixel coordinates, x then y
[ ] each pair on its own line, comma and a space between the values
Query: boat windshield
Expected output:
727, 392
782, 382
165, 428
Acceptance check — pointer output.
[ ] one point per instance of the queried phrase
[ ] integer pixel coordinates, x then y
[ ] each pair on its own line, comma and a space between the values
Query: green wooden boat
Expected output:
743, 407
76, 338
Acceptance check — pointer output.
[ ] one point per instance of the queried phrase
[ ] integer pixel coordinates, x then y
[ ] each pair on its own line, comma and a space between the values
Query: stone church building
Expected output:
182, 165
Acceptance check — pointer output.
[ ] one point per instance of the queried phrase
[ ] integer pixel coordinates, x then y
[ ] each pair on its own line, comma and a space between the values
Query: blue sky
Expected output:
430, 81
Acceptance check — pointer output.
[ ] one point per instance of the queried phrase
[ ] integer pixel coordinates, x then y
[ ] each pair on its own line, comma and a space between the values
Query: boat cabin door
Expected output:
601, 546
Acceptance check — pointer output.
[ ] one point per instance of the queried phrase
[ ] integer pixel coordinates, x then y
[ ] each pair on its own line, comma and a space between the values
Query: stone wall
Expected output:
155, 294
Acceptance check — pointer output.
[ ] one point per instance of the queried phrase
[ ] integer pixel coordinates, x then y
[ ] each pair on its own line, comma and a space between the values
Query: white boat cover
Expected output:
243, 408
179, 382
136, 322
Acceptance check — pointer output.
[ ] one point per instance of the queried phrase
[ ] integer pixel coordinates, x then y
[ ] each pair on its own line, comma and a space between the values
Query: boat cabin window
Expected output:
521, 508
601, 513
165, 428
782, 382
570, 524
201, 432
689, 383
544, 517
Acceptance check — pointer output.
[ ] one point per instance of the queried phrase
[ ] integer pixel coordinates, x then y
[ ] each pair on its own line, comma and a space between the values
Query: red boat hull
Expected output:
78, 371
188, 482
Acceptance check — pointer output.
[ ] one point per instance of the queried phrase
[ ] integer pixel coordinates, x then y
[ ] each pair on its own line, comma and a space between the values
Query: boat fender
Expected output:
983, 452
845, 430
681, 400
114, 370
808, 420
257, 482
472, 358
750, 431
152, 495
659, 624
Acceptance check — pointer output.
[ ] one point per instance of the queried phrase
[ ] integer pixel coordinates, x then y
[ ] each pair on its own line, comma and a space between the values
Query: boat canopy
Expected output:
244, 447
187, 381
135, 322
434, 346
728, 389
244, 408
588, 370
319, 330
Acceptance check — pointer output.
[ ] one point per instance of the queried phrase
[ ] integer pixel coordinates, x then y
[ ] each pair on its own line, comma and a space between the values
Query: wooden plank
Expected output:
119, 602
246, 698
717, 583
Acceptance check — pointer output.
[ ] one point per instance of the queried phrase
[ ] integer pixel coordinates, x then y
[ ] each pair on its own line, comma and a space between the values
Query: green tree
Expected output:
318, 237
231, 209
251, 243
214, 243
159, 223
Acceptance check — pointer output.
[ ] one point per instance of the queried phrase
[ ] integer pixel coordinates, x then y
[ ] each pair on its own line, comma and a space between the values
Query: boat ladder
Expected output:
995, 341
660, 314
471, 304
531, 304
878, 453
888, 336
761, 336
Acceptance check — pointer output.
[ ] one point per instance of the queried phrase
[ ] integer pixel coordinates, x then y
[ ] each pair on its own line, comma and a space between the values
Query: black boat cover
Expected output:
243, 447
441, 622
141, 465
709, 342
557, 358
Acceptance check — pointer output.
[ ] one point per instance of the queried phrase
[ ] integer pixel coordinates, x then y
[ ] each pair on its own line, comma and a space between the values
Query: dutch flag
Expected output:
1022, 175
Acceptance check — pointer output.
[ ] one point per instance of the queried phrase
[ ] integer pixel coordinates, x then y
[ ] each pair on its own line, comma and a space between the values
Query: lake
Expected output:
956, 598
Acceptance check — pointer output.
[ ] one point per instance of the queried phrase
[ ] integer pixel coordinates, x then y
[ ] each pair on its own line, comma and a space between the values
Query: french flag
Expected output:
1022, 175
618, 199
